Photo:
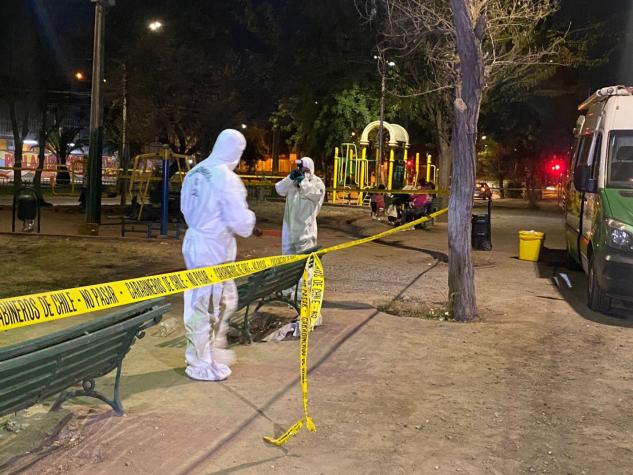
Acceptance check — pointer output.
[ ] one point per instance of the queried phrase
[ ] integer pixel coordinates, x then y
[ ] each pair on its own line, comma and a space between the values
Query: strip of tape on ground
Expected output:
311, 301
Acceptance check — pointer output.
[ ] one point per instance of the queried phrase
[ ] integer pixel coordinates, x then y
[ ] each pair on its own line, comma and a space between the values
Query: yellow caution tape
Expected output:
43, 307
375, 237
311, 301
27, 310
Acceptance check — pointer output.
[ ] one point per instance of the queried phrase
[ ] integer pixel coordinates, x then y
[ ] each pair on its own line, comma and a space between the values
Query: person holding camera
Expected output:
304, 193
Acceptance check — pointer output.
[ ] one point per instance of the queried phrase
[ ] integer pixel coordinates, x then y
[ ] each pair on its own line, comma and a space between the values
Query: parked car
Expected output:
483, 192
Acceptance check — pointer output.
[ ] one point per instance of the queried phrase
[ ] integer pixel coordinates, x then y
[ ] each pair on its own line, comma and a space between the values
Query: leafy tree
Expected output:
61, 142
468, 46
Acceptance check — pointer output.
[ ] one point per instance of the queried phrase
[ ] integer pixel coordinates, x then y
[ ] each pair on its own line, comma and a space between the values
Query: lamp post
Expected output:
154, 26
93, 198
382, 68
125, 149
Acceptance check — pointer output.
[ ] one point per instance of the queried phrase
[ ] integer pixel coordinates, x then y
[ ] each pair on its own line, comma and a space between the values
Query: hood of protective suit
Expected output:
307, 162
228, 149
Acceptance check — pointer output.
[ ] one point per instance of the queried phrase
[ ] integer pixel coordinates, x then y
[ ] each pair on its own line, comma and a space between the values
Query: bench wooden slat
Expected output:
75, 331
266, 286
42, 367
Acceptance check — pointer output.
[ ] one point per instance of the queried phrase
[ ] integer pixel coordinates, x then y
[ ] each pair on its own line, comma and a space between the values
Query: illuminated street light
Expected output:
484, 137
155, 25
243, 126
79, 76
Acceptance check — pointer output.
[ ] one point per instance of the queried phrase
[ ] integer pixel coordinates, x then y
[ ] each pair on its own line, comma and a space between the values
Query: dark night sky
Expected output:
615, 20
64, 27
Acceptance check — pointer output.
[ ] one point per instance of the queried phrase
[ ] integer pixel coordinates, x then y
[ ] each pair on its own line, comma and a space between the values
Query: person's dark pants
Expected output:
374, 207
413, 214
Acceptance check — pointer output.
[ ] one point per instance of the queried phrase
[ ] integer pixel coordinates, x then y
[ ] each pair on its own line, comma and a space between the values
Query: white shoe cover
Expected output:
213, 372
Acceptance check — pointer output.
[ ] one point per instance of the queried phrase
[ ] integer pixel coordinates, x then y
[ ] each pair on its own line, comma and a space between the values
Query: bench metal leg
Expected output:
244, 327
246, 331
88, 389
279, 296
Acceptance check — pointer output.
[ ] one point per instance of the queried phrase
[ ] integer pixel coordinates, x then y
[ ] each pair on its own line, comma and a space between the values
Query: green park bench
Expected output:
267, 286
37, 369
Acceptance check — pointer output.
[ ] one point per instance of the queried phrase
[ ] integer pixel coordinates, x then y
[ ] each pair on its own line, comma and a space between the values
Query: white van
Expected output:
599, 203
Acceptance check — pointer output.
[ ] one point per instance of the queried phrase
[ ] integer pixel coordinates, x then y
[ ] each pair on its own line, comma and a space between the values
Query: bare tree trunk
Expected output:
275, 151
41, 153
501, 179
444, 164
461, 277
19, 134
41, 158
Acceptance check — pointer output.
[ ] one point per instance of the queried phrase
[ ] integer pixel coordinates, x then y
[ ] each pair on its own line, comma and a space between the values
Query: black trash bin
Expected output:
26, 205
481, 234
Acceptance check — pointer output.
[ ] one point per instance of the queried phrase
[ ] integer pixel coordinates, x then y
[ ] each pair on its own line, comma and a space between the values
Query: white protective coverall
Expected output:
213, 202
303, 203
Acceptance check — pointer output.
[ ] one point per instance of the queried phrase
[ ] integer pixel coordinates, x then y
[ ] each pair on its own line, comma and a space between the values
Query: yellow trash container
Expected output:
530, 243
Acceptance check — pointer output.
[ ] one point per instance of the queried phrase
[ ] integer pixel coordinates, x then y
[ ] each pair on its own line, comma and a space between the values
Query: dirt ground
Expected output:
539, 384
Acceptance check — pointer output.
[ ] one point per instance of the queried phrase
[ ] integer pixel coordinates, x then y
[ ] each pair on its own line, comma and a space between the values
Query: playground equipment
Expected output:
431, 170
349, 169
154, 167
398, 147
352, 170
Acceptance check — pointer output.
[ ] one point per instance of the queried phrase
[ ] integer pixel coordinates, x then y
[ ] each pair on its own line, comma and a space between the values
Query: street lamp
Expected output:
79, 76
243, 126
383, 66
155, 25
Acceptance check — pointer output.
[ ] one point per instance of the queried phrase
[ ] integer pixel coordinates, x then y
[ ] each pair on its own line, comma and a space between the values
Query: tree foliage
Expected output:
466, 47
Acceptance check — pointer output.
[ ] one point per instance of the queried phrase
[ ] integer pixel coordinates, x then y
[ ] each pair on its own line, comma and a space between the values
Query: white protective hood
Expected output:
303, 203
307, 162
227, 150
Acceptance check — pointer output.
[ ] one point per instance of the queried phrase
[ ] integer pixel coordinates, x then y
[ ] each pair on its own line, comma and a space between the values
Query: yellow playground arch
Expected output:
355, 170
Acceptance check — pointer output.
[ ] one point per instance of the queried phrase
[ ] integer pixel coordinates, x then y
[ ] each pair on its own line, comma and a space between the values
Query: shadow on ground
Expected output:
572, 287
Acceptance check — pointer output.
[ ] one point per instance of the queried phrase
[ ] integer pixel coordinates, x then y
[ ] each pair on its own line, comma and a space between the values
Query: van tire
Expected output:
597, 298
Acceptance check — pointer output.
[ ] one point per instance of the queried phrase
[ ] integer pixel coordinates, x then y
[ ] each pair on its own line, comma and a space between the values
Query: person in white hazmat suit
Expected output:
304, 192
213, 202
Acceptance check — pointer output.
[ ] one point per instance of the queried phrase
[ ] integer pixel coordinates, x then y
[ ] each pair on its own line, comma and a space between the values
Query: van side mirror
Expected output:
583, 180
